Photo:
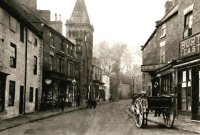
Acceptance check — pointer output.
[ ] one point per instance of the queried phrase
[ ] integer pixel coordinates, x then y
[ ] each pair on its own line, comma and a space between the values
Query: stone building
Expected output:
20, 61
80, 32
177, 72
98, 85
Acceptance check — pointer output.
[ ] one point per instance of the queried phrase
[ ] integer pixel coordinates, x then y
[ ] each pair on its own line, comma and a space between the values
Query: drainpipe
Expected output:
25, 76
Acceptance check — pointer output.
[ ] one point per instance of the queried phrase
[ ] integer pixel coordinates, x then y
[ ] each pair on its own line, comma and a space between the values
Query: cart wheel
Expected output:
138, 111
168, 117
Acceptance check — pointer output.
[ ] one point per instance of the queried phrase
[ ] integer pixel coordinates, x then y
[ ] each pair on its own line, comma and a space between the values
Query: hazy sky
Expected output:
125, 21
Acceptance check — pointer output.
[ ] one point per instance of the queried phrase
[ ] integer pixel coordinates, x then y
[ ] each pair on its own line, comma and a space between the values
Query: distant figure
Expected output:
62, 104
111, 98
78, 99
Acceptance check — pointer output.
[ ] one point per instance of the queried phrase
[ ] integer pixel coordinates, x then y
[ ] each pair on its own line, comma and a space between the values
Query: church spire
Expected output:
80, 14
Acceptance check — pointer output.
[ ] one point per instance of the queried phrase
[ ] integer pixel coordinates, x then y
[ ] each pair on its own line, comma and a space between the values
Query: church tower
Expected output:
78, 26
80, 32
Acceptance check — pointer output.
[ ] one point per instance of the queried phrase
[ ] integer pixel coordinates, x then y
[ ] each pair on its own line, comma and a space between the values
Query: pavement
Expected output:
36, 116
181, 123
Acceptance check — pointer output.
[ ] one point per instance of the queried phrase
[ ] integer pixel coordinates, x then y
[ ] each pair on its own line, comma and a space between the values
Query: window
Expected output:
12, 24
30, 36
62, 45
51, 39
13, 55
162, 52
163, 30
11, 98
35, 41
1, 15
31, 95
21, 33
60, 65
188, 24
35, 66
70, 69
51, 62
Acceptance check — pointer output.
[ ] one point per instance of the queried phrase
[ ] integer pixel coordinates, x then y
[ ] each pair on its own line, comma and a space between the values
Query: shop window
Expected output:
185, 91
22, 33
11, 98
35, 66
188, 24
12, 24
31, 95
13, 55
163, 30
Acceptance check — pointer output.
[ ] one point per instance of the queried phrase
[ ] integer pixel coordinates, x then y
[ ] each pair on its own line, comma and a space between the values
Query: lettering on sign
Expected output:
190, 46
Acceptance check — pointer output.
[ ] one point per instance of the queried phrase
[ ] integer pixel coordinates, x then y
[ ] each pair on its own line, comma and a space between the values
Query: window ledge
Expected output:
52, 46
162, 36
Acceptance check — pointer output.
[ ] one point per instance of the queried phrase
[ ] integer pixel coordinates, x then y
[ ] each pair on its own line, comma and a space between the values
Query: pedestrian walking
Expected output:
62, 104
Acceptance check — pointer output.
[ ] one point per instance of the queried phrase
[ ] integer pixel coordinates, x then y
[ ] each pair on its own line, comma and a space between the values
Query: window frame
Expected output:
13, 56
31, 94
12, 89
35, 65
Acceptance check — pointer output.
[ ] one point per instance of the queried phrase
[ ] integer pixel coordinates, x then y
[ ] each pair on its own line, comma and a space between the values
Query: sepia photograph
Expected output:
99, 67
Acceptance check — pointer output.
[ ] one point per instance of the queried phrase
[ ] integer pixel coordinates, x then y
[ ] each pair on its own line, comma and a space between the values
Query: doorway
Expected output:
36, 99
21, 100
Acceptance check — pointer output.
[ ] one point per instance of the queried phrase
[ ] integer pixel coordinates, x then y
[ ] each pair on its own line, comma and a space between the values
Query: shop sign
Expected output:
190, 46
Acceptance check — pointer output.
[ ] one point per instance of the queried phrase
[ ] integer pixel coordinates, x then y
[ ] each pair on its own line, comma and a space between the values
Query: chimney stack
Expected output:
57, 23
168, 6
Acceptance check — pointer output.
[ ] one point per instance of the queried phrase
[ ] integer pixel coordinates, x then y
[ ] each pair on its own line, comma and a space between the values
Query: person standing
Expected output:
78, 99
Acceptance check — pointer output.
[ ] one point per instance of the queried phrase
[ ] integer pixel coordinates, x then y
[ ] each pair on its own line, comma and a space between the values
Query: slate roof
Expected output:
24, 15
80, 14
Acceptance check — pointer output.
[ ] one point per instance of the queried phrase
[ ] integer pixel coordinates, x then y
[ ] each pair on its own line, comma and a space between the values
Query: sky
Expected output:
115, 21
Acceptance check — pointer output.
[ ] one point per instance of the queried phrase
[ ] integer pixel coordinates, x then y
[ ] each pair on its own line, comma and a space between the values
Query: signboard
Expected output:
147, 68
190, 46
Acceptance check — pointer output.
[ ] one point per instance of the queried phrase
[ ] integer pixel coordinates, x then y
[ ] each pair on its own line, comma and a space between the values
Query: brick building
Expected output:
173, 66
80, 32
20, 62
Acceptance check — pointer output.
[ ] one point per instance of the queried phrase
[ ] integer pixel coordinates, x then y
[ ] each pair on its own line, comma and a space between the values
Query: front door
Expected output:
21, 100
36, 99
2, 92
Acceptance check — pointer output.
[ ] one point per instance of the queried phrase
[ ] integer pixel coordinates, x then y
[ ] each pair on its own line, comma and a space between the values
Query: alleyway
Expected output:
107, 119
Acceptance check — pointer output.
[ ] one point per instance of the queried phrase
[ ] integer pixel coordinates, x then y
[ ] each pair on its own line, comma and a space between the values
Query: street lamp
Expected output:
73, 94
133, 78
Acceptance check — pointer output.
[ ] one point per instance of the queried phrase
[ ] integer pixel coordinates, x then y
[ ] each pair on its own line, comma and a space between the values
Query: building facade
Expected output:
173, 66
20, 62
80, 32
98, 85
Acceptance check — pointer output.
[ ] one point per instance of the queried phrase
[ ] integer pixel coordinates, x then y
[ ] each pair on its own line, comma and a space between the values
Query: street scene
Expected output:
106, 119
99, 67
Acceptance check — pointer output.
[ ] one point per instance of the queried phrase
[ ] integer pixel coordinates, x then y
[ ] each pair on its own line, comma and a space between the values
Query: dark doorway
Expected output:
2, 92
36, 99
21, 100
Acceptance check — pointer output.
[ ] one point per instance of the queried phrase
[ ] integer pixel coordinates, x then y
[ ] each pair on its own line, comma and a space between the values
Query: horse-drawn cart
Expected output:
164, 105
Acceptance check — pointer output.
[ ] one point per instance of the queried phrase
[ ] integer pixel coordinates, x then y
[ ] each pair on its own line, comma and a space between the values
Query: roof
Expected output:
149, 39
23, 15
80, 14
172, 12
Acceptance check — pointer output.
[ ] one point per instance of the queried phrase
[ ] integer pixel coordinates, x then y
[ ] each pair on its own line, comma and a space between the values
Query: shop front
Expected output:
188, 90
188, 77
57, 88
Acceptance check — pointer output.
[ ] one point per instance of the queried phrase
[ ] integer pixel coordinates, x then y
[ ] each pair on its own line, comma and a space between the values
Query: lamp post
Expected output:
73, 94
